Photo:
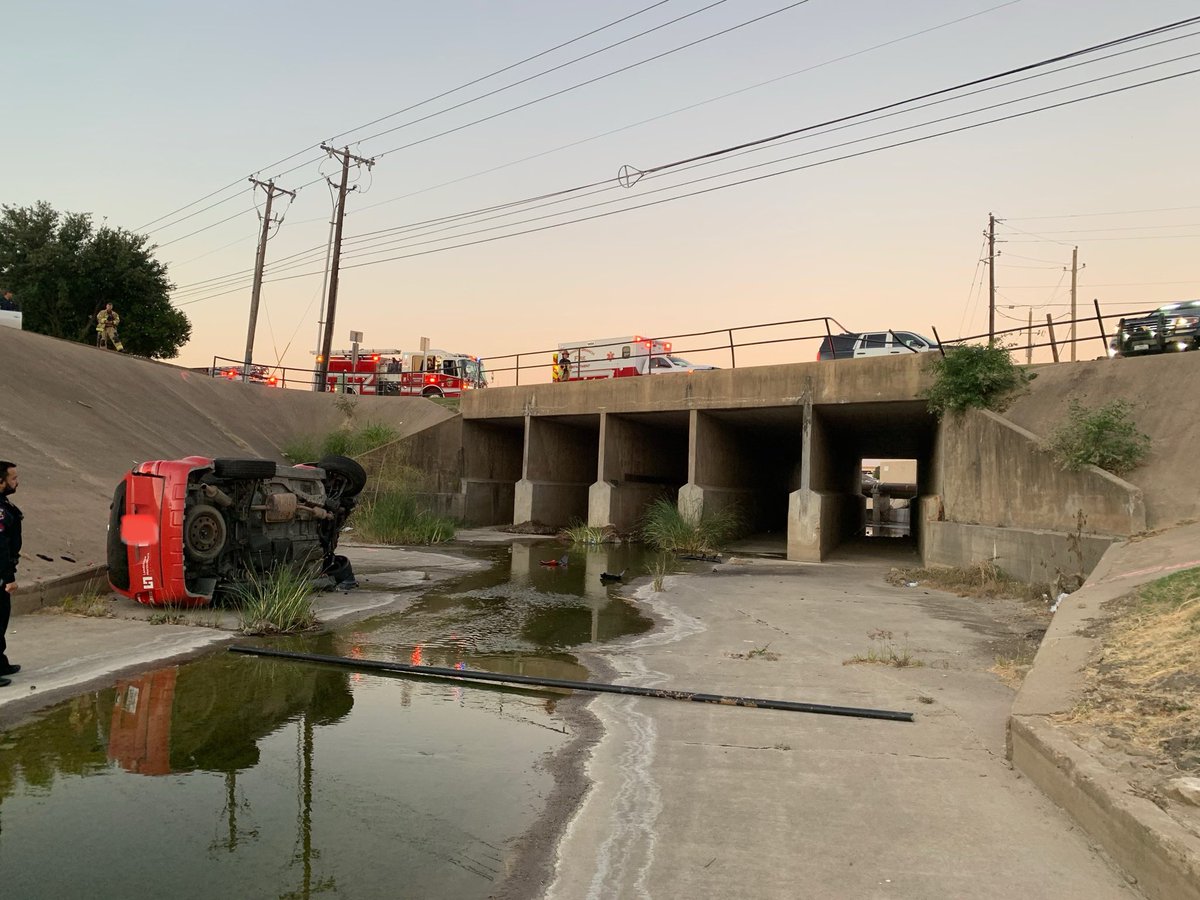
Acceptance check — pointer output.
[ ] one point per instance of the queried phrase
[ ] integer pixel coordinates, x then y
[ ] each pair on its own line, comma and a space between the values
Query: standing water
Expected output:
247, 777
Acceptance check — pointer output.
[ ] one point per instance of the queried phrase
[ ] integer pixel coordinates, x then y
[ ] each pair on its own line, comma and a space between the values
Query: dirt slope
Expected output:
1165, 394
76, 418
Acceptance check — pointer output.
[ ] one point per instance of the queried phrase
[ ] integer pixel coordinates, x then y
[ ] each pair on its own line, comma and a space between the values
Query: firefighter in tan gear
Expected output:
107, 321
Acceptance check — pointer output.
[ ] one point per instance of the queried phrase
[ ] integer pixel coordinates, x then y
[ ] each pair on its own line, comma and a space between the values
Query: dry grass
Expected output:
757, 653
89, 603
1014, 664
1143, 688
983, 579
884, 652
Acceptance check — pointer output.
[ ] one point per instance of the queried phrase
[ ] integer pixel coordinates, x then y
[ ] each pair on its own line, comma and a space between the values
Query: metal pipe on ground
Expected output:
379, 665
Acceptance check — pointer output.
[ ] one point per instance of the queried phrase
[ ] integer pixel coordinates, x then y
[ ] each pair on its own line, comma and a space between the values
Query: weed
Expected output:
1104, 436
579, 533
397, 517
302, 449
171, 615
1013, 665
90, 603
884, 652
357, 441
980, 376
666, 527
659, 569
984, 579
275, 602
757, 653
345, 405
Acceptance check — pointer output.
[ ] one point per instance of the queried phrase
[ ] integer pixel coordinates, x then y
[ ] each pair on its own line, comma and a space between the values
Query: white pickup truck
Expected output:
853, 345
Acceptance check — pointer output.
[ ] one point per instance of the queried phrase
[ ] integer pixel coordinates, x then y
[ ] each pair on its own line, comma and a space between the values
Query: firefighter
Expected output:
564, 362
555, 372
107, 321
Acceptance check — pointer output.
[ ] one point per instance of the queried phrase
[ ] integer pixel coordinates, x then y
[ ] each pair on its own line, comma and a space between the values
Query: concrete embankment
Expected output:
75, 419
1154, 842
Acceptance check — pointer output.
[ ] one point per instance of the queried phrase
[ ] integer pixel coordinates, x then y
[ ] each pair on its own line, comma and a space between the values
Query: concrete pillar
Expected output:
719, 467
639, 461
804, 504
559, 465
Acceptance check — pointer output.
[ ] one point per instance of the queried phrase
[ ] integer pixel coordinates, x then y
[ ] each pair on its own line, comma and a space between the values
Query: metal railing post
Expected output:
518, 368
1100, 319
937, 337
1050, 328
732, 357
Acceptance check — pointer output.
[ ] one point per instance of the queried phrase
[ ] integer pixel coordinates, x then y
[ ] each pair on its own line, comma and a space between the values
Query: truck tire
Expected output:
349, 477
244, 469
118, 553
204, 532
432, 392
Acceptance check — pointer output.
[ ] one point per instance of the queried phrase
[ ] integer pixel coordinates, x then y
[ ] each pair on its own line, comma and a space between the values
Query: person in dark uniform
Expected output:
10, 555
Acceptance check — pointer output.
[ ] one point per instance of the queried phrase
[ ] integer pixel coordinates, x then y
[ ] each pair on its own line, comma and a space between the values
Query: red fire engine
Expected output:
400, 373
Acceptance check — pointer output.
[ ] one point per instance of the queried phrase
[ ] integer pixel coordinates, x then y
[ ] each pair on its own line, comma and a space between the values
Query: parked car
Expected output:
184, 531
1173, 328
853, 345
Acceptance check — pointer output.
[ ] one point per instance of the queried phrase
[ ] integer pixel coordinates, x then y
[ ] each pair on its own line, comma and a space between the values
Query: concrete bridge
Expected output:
783, 443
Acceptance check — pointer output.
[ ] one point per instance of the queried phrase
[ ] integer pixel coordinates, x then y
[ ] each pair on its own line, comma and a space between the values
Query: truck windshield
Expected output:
679, 360
473, 370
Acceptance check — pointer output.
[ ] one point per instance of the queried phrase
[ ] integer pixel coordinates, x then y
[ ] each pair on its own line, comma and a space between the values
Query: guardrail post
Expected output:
518, 368
937, 337
1100, 319
1053, 345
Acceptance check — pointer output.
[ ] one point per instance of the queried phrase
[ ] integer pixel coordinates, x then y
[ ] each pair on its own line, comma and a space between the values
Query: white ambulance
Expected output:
618, 358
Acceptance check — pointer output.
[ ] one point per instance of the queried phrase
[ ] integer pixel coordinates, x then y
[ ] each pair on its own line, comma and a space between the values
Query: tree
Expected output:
62, 270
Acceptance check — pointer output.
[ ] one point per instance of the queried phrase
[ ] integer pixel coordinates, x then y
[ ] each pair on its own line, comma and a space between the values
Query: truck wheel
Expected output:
346, 477
244, 469
204, 532
432, 392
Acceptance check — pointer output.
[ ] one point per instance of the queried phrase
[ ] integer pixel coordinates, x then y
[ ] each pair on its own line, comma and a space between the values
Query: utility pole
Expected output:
331, 307
1074, 282
991, 279
259, 262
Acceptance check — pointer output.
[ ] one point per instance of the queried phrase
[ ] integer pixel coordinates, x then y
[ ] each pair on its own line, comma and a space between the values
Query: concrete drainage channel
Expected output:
1154, 848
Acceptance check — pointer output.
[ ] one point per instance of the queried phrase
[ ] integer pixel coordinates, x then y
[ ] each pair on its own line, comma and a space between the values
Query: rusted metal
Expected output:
439, 672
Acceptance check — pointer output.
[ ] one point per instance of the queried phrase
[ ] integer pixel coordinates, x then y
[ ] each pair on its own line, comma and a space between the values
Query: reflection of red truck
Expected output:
399, 373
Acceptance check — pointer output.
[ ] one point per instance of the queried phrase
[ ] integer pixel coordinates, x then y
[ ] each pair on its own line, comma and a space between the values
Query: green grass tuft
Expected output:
397, 517
275, 602
665, 527
581, 534
350, 442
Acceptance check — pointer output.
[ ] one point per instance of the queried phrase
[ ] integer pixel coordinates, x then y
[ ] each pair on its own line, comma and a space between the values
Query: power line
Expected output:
580, 84
757, 178
1123, 212
463, 86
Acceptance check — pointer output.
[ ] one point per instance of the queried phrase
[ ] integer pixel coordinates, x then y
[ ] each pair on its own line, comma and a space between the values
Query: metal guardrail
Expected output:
734, 342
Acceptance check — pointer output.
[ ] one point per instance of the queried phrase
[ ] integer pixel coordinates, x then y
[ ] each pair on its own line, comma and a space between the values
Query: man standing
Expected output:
107, 321
10, 555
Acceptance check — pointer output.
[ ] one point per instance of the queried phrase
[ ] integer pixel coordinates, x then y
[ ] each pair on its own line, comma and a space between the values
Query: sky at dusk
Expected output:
134, 111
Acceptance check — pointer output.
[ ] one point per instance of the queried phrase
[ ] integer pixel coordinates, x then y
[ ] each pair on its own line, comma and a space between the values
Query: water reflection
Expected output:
301, 779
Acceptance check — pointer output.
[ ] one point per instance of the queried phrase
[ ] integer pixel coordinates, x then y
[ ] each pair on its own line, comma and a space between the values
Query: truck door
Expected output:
874, 344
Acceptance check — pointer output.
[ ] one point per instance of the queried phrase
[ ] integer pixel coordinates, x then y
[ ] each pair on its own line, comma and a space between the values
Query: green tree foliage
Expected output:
1104, 436
973, 376
62, 270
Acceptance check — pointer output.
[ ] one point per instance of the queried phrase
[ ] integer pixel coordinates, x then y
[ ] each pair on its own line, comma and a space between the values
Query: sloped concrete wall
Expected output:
992, 472
76, 419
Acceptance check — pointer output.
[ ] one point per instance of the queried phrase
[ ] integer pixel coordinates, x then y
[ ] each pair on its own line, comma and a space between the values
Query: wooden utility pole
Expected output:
331, 307
991, 279
259, 262
1074, 282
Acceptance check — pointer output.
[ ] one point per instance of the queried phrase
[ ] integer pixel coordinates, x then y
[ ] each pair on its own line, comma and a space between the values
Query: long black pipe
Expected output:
596, 686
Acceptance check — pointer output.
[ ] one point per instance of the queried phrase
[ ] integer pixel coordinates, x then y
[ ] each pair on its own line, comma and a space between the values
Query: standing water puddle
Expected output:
248, 777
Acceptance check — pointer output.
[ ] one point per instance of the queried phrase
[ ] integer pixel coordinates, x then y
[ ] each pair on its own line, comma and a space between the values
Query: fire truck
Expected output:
401, 373
618, 358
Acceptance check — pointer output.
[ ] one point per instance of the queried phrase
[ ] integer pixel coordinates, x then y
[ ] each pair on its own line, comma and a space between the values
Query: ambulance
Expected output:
405, 373
618, 358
